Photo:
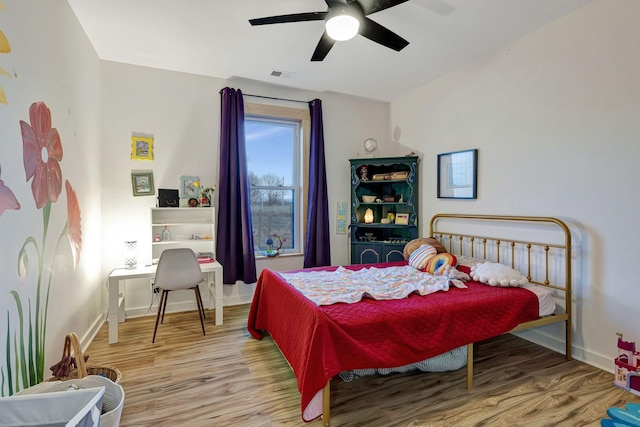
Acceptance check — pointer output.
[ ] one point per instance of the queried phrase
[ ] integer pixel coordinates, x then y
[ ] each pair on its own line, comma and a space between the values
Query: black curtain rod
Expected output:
272, 97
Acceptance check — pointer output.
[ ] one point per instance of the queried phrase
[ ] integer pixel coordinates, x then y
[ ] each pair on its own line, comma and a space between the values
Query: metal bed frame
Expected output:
496, 249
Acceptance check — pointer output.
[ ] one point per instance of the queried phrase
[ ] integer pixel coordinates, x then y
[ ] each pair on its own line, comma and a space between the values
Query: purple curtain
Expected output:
317, 251
234, 243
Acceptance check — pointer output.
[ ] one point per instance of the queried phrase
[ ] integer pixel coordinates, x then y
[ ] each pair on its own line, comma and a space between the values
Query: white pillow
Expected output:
494, 274
421, 256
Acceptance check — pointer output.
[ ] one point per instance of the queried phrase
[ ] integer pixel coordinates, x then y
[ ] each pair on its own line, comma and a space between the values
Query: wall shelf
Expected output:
183, 224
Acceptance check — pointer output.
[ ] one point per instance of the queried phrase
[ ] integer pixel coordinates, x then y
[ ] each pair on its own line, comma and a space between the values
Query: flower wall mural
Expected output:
5, 47
42, 154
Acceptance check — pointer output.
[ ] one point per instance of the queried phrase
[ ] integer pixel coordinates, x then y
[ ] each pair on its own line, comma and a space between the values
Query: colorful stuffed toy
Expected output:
444, 264
439, 263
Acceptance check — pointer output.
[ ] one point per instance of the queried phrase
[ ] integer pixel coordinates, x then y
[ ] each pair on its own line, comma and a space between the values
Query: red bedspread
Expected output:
319, 342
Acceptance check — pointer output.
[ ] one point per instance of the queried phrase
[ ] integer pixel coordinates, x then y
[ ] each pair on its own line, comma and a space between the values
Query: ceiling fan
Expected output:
341, 13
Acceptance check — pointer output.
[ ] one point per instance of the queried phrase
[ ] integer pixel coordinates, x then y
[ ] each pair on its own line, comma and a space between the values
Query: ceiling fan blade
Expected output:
322, 49
379, 34
332, 3
294, 17
436, 6
372, 6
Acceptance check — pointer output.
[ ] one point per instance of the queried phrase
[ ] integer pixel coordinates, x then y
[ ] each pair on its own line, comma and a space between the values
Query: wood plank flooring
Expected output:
227, 378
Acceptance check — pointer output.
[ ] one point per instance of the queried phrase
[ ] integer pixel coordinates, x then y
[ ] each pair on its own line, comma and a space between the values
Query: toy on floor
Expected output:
629, 416
627, 366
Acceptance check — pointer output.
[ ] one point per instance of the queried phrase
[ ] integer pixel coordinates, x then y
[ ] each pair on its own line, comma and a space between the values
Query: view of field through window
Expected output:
271, 161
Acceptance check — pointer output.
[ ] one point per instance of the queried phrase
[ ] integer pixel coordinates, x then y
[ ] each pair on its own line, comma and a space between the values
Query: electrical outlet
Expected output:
154, 288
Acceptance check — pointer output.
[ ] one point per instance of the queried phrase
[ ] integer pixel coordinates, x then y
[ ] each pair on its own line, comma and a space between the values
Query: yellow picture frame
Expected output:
141, 147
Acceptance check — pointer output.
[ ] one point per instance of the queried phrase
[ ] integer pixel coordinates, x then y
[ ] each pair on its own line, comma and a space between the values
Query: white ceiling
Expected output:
214, 38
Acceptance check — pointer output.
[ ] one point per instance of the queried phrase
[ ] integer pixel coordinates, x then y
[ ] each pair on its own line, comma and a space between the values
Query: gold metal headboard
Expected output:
500, 249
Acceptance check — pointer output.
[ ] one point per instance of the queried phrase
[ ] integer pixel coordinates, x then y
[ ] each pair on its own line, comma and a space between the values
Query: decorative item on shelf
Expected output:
168, 198
130, 254
205, 195
385, 221
370, 146
271, 252
368, 199
157, 238
189, 186
193, 202
391, 216
368, 216
388, 199
166, 234
390, 176
402, 219
363, 173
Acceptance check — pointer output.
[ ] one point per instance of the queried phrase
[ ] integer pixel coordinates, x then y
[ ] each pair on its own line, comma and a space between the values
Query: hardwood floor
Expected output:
227, 378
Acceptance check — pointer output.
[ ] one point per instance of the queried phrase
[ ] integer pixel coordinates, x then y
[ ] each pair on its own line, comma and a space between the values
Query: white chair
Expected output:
177, 269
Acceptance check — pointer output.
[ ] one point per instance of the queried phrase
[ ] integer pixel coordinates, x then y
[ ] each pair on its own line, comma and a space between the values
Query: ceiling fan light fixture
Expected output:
342, 26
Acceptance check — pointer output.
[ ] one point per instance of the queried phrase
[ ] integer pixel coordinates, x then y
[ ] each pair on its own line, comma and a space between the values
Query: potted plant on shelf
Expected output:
205, 195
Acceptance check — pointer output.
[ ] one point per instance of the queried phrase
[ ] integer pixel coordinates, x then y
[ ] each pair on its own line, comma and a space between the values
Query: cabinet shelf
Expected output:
383, 203
380, 225
382, 181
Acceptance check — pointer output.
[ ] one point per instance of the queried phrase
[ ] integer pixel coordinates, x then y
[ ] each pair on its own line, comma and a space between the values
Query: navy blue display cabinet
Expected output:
384, 207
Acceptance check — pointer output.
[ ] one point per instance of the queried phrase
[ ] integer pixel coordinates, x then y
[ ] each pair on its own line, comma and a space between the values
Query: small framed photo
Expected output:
141, 147
189, 187
458, 175
402, 219
142, 183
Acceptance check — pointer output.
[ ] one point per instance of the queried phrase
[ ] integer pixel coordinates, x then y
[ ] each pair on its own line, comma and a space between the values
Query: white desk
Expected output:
115, 315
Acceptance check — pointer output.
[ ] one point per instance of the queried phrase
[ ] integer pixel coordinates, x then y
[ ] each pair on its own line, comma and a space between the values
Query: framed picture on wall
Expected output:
458, 175
189, 187
141, 147
142, 183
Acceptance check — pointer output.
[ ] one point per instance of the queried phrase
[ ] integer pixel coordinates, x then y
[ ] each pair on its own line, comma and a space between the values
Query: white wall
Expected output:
555, 118
52, 61
182, 111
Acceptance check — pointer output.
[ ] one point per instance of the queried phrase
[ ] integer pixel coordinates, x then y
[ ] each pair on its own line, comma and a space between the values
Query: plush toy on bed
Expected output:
444, 264
429, 255
414, 244
494, 274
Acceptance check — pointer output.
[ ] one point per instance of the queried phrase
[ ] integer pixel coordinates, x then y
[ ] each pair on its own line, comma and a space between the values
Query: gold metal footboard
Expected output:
534, 259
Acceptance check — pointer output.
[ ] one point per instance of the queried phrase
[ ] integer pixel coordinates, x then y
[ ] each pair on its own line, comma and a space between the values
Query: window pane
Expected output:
272, 159
272, 213
270, 151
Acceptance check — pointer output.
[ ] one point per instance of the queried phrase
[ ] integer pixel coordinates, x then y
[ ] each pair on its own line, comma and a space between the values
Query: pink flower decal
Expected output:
7, 199
74, 226
42, 150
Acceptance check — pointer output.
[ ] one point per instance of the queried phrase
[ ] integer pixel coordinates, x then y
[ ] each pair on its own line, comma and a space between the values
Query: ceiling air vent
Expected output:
282, 74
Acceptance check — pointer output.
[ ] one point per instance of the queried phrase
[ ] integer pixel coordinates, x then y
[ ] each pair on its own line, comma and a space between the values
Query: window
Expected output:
275, 149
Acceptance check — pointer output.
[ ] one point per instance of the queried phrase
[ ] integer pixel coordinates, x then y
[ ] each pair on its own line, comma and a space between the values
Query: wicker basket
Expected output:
72, 341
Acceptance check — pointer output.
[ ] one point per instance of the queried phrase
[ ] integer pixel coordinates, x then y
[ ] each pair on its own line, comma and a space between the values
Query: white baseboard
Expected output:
553, 343
132, 312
